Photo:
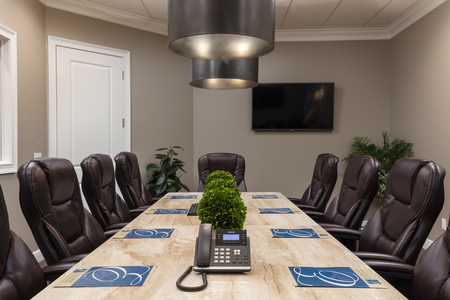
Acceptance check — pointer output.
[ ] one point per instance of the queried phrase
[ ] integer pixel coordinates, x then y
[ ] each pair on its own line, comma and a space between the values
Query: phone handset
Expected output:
204, 245
202, 258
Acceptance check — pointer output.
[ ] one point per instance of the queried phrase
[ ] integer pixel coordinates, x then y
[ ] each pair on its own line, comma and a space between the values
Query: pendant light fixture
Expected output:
221, 29
224, 74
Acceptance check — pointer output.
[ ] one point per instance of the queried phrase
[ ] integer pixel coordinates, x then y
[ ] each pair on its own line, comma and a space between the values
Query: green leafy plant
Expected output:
163, 177
221, 204
387, 154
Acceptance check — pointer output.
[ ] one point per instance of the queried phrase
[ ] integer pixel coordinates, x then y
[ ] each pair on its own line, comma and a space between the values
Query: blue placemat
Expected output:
284, 210
174, 211
264, 196
160, 233
343, 277
107, 276
294, 233
184, 197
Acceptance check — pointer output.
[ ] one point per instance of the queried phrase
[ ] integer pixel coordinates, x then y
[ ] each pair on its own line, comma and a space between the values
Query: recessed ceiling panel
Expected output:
157, 9
132, 6
309, 13
391, 12
280, 11
355, 12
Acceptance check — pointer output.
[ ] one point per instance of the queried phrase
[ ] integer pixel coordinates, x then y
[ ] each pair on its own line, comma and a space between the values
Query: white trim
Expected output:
8, 159
54, 42
38, 256
105, 13
427, 244
412, 15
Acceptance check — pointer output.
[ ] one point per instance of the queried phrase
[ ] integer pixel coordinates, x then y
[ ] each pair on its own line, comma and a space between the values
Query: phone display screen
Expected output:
231, 237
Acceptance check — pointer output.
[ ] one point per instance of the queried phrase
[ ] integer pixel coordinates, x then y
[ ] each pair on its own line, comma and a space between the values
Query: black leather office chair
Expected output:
21, 277
233, 163
359, 186
128, 177
413, 199
430, 278
50, 199
318, 193
99, 189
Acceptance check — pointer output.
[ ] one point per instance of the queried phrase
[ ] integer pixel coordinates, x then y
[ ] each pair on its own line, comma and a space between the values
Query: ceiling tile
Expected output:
132, 6
280, 11
157, 9
391, 12
309, 13
355, 12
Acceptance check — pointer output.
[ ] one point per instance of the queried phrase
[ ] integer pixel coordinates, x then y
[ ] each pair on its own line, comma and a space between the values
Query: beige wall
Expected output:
27, 19
420, 91
284, 161
161, 97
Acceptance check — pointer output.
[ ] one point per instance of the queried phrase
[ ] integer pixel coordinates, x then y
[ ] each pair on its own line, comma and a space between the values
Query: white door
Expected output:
89, 104
88, 101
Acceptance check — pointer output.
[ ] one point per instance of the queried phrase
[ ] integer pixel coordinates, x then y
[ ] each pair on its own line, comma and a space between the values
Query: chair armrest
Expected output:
317, 216
391, 268
72, 259
54, 271
378, 257
306, 208
134, 212
341, 232
113, 229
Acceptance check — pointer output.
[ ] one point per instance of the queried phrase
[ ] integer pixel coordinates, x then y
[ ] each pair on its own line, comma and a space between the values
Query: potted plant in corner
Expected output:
221, 204
387, 154
163, 177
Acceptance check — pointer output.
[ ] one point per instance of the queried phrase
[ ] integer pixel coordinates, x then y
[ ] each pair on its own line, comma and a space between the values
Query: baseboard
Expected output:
38, 255
427, 244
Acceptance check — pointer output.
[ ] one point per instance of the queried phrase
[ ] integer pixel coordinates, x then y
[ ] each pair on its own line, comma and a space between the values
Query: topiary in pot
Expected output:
221, 204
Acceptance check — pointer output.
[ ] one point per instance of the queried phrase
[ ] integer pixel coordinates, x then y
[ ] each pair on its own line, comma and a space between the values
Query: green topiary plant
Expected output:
221, 204
387, 154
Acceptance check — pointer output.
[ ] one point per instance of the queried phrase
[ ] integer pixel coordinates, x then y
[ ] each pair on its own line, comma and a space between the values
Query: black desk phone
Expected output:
227, 252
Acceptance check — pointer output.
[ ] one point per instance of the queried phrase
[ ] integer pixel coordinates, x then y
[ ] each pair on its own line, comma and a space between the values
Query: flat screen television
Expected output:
293, 106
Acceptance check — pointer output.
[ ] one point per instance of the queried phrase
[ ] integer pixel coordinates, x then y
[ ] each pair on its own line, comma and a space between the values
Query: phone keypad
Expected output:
231, 256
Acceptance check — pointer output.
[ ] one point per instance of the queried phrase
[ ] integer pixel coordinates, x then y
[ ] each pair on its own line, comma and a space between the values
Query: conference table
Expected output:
269, 277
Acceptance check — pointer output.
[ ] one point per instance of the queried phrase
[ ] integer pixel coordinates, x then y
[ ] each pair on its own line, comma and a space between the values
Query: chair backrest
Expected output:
21, 276
233, 163
359, 186
323, 181
51, 201
413, 199
128, 178
431, 278
99, 189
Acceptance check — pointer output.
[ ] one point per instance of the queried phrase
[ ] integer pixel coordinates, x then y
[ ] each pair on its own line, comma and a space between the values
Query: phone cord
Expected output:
194, 288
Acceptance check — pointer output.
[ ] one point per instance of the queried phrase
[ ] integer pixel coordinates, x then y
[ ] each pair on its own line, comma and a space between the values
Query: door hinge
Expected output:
123, 122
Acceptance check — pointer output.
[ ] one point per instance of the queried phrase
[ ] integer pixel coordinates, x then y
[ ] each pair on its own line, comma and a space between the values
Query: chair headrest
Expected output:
403, 175
353, 170
102, 164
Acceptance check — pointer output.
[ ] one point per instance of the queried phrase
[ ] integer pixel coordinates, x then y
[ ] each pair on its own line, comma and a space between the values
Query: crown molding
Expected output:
101, 12
97, 11
415, 13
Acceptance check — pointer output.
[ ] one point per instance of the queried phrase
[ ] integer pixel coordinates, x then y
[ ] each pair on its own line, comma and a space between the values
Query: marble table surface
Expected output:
268, 279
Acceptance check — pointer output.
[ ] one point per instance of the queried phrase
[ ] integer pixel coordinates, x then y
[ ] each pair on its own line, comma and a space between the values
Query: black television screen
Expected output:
293, 106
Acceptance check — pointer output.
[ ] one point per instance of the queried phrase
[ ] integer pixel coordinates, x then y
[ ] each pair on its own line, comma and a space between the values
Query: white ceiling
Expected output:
295, 20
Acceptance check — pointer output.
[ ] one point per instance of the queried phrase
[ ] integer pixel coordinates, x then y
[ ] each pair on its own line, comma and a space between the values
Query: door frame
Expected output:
54, 42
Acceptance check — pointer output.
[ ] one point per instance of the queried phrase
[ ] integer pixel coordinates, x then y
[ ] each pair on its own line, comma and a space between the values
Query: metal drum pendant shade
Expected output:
221, 29
224, 74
